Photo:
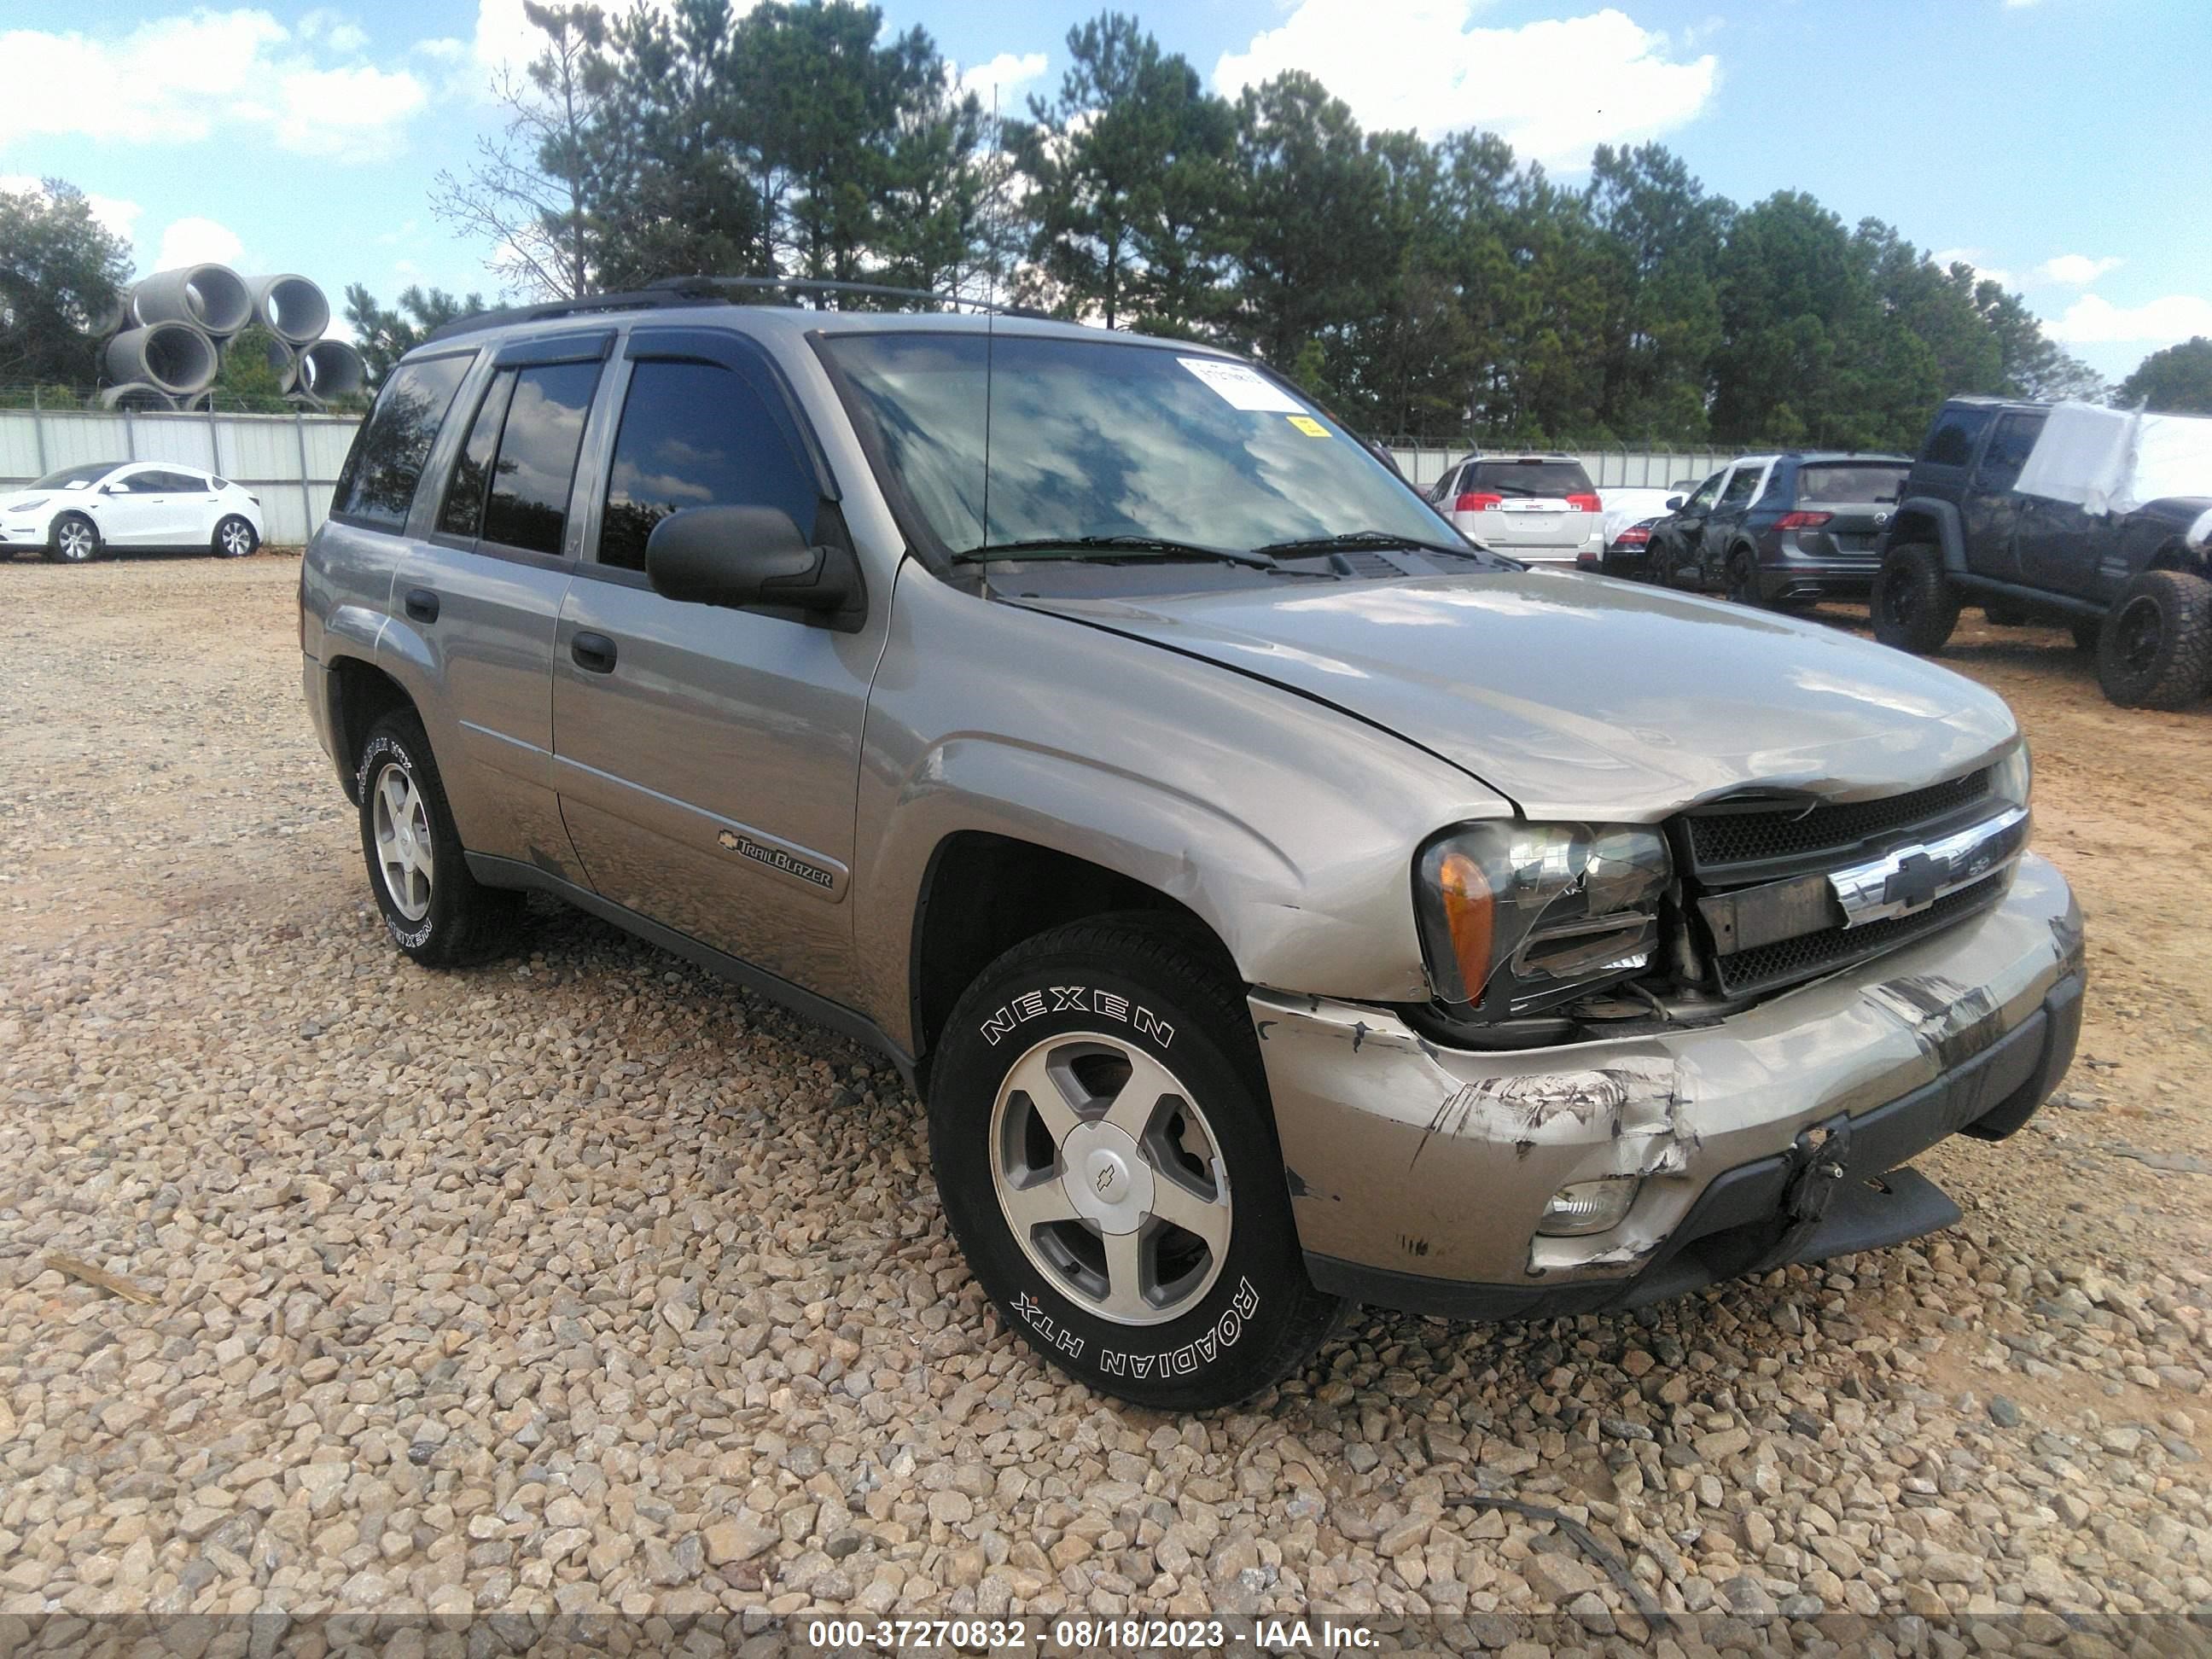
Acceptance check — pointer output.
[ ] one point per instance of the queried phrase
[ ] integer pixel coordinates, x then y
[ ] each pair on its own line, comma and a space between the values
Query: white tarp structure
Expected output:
2109, 460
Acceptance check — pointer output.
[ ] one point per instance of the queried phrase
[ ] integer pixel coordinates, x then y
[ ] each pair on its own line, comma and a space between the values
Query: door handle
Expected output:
422, 604
592, 652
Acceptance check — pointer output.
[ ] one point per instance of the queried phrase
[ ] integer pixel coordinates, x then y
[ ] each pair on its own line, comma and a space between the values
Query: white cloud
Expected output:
2077, 270
1005, 72
506, 39
1552, 88
198, 241
355, 113
334, 29
2093, 320
189, 76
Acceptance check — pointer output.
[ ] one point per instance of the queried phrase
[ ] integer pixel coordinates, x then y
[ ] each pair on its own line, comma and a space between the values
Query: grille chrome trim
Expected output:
1909, 879
1731, 841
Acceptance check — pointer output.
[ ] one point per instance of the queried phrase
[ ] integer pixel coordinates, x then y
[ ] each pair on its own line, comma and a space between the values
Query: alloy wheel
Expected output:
1110, 1178
401, 821
237, 537
75, 540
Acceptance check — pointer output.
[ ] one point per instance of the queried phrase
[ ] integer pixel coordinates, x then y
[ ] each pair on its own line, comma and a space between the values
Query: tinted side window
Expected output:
378, 484
462, 513
1951, 440
2007, 452
529, 504
140, 483
695, 436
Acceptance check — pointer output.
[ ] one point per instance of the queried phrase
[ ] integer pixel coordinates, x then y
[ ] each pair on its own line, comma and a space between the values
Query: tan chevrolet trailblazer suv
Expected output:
1279, 900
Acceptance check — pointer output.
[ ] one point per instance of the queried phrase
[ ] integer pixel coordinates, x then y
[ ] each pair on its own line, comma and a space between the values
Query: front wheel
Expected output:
1098, 1121
2155, 651
235, 537
75, 539
436, 912
1915, 606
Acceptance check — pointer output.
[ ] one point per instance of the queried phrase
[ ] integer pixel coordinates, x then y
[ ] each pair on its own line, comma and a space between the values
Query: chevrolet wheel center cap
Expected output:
1106, 1177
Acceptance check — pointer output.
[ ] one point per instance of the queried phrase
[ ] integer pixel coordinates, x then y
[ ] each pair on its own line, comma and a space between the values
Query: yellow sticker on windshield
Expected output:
1307, 424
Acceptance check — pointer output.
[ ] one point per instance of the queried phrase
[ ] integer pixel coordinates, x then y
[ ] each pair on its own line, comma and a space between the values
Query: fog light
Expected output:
1588, 1207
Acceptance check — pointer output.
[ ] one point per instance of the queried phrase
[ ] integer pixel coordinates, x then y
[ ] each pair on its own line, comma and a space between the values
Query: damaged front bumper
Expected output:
1418, 1173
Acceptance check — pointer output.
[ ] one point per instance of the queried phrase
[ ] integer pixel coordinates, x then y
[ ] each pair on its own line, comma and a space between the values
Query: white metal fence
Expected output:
1608, 469
290, 461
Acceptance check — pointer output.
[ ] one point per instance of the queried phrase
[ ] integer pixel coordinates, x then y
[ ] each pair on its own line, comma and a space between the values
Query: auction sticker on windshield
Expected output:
1243, 387
1310, 426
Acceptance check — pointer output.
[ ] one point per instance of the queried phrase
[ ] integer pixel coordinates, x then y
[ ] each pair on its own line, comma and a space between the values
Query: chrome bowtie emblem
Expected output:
1881, 521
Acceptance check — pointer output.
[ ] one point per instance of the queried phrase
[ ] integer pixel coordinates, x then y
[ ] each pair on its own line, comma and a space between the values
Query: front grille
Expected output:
1723, 837
1765, 967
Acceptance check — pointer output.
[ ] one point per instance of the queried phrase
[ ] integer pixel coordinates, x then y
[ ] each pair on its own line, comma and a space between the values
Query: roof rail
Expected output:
690, 290
707, 287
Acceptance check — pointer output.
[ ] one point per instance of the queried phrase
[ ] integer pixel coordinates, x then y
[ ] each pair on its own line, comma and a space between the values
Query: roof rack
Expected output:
690, 290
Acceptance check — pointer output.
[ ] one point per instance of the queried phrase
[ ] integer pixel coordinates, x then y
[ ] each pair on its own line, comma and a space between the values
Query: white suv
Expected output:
1541, 508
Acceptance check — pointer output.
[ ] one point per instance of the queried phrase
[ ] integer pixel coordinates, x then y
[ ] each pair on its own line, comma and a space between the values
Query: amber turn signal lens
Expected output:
1470, 914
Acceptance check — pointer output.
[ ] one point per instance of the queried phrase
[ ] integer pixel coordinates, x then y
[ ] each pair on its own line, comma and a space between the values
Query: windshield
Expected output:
80, 477
1112, 438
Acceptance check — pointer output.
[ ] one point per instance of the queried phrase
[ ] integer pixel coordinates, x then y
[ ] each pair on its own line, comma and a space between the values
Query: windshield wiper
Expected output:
1107, 547
1351, 540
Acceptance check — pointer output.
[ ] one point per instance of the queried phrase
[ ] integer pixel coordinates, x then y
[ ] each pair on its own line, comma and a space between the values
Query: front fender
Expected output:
1921, 517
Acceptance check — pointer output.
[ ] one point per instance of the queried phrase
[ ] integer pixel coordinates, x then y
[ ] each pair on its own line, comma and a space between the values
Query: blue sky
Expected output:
2056, 143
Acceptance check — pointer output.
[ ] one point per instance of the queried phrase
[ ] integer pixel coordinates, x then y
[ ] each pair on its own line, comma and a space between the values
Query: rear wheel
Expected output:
234, 538
1743, 577
436, 912
1099, 1126
2155, 651
1915, 607
75, 539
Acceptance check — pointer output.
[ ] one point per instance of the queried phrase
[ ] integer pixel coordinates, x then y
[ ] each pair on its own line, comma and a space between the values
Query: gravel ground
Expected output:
582, 1282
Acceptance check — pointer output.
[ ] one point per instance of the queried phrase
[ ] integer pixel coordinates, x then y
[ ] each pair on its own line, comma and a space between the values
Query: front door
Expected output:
708, 758
138, 509
1727, 517
1988, 511
1674, 540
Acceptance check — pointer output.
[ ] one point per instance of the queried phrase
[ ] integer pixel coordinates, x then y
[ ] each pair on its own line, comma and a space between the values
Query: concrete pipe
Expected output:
291, 307
137, 395
104, 322
169, 356
283, 363
212, 298
332, 368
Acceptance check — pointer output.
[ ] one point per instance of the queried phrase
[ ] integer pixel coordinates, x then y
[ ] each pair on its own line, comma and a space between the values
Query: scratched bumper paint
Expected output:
1418, 1160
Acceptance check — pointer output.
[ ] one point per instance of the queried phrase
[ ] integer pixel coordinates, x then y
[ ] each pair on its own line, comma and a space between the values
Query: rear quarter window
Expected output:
1951, 440
377, 485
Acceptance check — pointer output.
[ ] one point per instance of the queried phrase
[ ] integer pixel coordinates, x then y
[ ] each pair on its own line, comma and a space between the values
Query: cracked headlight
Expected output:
1517, 919
2013, 778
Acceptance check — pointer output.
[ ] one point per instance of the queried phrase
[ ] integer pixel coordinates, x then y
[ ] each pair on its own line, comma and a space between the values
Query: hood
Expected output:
1579, 697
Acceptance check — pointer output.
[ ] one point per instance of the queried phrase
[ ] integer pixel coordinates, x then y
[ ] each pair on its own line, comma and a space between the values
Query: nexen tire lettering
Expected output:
1071, 999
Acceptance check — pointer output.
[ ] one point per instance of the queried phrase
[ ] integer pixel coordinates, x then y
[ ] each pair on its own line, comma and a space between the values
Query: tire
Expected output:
438, 915
1915, 608
2086, 634
1115, 1026
1743, 578
2156, 649
75, 540
234, 538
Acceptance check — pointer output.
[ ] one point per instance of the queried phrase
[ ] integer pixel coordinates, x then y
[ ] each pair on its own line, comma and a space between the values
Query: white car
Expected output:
76, 513
1540, 508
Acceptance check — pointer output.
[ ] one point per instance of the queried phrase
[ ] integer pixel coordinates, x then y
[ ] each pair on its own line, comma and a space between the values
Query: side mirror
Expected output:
751, 556
1674, 503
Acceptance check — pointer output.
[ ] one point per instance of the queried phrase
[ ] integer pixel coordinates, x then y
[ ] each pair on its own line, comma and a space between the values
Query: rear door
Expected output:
1989, 509
483, 588
708, 758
